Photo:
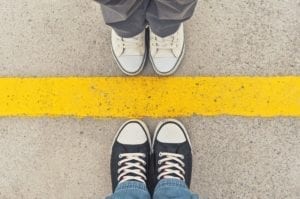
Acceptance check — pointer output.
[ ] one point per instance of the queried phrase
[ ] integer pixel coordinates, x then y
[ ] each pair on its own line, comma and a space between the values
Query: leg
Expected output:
130, 159
173, 188
165, 16
130, 190
167, 44
126, 17
172, 160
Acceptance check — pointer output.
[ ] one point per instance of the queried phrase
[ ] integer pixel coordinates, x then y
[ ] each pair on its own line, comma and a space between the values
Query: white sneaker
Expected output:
166, 53
129, 53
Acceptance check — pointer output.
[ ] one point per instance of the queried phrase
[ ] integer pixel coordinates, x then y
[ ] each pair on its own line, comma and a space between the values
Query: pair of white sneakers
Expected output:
165, 53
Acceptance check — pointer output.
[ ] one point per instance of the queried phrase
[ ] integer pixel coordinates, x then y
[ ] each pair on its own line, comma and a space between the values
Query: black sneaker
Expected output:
130, 154
172, 154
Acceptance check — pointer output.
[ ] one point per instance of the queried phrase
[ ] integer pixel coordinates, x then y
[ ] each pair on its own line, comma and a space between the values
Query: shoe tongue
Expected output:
134, 49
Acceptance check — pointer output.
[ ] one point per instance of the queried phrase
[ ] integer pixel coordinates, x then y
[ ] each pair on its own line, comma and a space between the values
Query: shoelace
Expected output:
132, 167
133, 42
171, 166
166, 43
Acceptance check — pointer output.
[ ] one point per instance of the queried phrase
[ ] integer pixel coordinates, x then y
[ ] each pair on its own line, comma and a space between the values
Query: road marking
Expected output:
150, 96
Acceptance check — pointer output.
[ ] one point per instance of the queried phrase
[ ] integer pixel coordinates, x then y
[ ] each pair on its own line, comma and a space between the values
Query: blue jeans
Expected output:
165, 189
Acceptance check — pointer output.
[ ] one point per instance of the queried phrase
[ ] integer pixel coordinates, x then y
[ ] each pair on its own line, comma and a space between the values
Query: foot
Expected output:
129, 53
166, 53
130, 154
172, 153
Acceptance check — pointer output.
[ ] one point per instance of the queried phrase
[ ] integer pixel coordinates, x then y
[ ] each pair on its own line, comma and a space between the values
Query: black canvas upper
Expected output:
118, 149
181, 148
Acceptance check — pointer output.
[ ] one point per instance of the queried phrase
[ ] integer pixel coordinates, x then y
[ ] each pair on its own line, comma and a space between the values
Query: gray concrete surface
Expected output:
68, 37
234, 157
69, 158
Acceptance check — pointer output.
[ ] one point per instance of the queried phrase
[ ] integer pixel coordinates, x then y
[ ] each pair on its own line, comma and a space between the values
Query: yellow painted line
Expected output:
150, 96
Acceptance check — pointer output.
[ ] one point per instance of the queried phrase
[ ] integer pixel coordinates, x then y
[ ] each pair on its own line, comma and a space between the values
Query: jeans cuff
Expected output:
170, 183
131, 185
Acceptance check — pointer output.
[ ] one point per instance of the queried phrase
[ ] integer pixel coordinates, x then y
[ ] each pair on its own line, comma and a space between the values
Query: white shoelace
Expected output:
127, 43
171, 166
132, 167
167, 43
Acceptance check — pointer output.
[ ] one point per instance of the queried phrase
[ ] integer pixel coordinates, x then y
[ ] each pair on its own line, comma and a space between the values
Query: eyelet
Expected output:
160, 154
159, 162
120, 156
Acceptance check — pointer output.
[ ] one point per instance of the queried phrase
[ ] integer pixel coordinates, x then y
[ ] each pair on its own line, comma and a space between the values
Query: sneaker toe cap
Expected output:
132, 134
171, 133
131, 64
164, 64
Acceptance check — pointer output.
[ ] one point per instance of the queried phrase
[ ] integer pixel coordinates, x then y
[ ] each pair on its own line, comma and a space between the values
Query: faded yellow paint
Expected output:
150, 96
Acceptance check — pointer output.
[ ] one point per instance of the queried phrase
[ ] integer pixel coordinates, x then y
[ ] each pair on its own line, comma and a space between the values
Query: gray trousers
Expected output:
129, 17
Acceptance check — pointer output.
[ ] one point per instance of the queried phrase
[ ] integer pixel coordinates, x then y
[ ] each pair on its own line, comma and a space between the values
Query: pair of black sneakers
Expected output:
135, 159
